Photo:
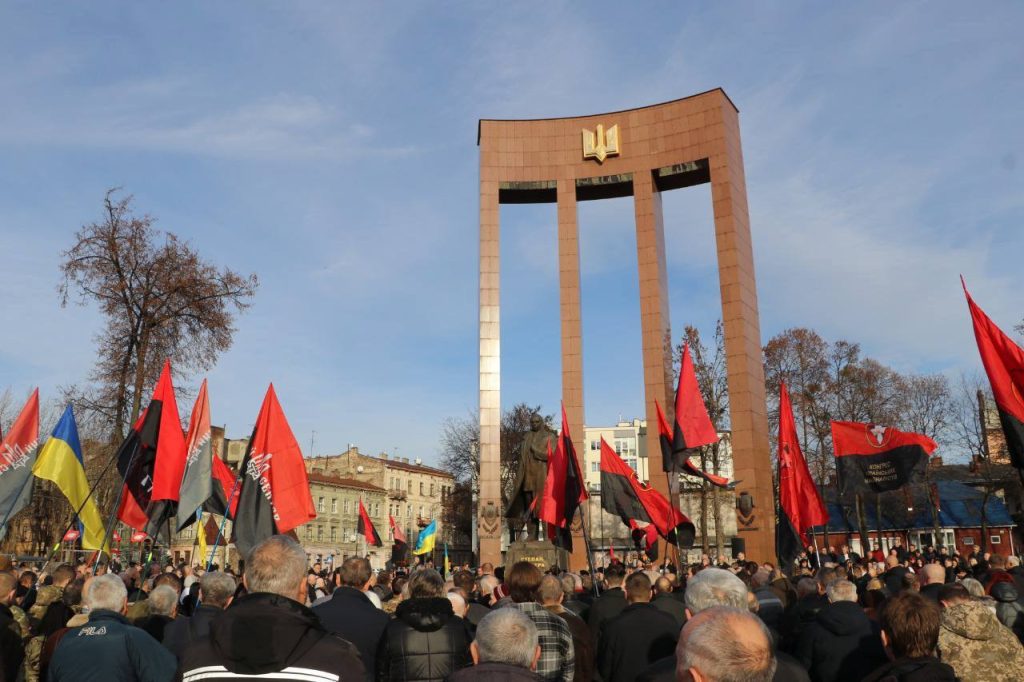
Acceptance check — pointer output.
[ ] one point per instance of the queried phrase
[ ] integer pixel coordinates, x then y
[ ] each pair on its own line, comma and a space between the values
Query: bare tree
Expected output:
160, 300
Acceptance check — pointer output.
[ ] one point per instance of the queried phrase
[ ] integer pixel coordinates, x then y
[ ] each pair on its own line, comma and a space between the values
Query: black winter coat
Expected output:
263, 634
672, 606
1008, 608
841, 645
350, 614
12, 650
914, 670
610, 604
181, 632
426, 642
495, 672
634, 639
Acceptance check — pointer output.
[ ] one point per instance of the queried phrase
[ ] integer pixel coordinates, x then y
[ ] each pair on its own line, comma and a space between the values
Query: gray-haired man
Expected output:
108, 647
216, 590
506, 649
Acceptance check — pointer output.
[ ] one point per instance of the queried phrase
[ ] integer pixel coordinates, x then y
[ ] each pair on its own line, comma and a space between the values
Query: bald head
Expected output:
662, 585
933, 574
725, 643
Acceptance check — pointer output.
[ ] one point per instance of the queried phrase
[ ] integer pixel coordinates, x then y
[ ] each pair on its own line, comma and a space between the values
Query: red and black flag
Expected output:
623, 494
225, 486
366, 528
645, 539
1004, 364
564, 489
18, 452
400, 548
800, 503
691, 425
682, 459
152, 460
275, 495
875, 458
396, 532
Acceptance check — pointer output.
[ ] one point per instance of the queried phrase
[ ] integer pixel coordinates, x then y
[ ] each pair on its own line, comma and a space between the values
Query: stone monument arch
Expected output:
640, 153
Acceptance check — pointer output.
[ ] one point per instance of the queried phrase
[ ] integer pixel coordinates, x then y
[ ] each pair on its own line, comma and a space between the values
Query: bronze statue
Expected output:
530, 477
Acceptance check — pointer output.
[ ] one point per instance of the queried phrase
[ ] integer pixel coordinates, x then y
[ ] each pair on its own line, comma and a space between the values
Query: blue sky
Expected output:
331, 147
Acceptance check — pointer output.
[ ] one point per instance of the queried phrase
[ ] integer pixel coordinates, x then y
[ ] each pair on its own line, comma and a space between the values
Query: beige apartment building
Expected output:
415, 493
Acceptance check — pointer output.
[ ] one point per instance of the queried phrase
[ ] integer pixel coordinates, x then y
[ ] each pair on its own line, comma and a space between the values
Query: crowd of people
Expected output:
832, 617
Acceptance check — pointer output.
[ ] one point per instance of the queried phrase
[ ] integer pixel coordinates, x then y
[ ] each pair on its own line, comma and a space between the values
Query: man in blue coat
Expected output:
108, 648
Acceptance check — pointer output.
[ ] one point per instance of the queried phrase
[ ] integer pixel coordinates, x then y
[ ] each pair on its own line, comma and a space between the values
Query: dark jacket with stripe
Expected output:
350, 614
265, 636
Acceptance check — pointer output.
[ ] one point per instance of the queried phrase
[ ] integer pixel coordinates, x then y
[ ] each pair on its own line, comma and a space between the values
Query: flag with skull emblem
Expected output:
875, 458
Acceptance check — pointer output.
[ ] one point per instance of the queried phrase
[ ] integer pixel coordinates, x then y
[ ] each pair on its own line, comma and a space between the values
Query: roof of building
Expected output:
960, 506
393, 464
328, 479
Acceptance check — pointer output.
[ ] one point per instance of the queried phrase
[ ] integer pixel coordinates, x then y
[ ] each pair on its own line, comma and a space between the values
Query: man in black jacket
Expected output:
351, 614
665, 600
842, 644
611, 602
505, 649
910, 632
269, 632
637, 637
216, 590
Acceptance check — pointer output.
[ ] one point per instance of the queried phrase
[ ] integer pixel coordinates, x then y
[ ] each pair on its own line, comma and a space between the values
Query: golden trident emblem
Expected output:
601, 144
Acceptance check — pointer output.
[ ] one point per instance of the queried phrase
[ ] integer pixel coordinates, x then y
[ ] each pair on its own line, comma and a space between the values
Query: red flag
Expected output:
692, 427
396, 532
18, 452
72, 535
138, 536
688, 467
151, 460
611, 554
564, 488
275, 495
877, 458
798, 495
225, 485
116, 536
365, 527
623, 494
1004, 364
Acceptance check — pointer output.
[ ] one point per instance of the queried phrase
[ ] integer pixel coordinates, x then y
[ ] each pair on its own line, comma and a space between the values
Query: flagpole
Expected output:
117, 502
220, 531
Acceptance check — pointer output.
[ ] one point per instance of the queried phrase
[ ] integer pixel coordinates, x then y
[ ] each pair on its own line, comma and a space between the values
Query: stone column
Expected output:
572, 335
489, 521
744, 362
654, 317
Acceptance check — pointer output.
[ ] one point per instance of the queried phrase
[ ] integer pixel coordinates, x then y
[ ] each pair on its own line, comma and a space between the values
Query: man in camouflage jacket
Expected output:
974, 642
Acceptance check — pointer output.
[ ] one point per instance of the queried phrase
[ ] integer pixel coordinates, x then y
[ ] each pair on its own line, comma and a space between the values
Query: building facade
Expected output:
415, 493
333, 534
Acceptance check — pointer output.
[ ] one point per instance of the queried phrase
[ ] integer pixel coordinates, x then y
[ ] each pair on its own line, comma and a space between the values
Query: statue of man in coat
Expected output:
530, 477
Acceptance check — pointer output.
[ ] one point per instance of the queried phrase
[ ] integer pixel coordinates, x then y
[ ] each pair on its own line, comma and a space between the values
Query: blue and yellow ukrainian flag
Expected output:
425, 541
60, 461
447, 564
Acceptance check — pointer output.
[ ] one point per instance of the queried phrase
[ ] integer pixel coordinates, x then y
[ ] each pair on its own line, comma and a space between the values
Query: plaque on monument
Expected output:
540, 553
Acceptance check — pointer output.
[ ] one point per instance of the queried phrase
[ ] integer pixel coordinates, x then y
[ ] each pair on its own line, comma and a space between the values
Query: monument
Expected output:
639, 153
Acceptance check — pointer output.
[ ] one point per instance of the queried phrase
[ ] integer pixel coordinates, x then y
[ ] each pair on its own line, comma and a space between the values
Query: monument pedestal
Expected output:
540, 553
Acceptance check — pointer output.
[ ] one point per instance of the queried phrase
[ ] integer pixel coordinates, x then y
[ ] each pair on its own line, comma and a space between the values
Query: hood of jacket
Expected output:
426, 614
1004, 592
971, 620
263, 632
844, 618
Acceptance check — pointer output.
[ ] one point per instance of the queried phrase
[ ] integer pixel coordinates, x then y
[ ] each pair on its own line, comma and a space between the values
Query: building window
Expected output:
968, 540
320, 504
421, 487
595, 445
421, 511
348, 507
334, 533
410, 487
309, 533
408, 512
431, 489
995, 539
334, 505
595, 467
319, 533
